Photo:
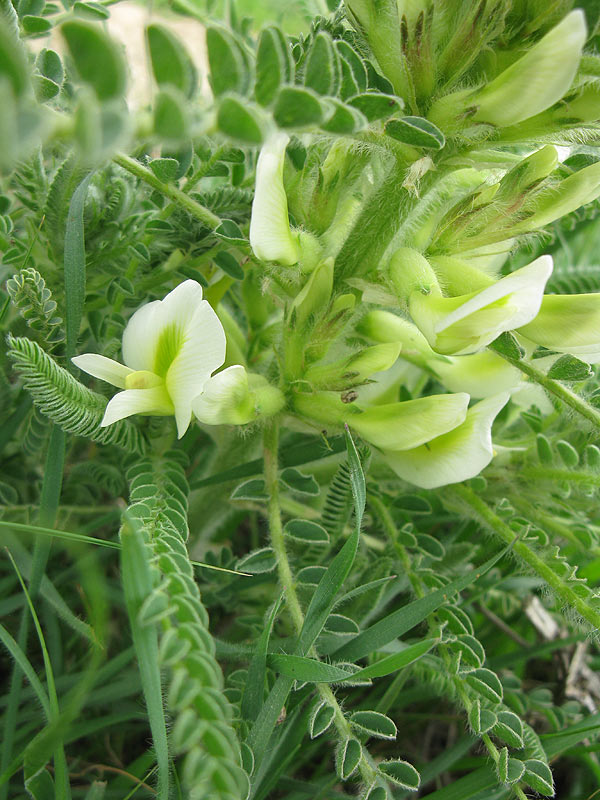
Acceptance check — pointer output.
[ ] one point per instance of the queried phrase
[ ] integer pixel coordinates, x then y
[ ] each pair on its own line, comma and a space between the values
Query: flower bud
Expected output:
232, 397
459, 277
379, 20
314, 297
402, 426
354, 370
527, 173
270, 236
410, 272
537, 80
383, 326
578, 189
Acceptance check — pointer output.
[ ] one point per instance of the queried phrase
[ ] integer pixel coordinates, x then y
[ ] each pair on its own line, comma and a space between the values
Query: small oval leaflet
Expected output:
374, 105
297, 108
486, 683
165, 169
416, 132
257, 562
348, 758
33, 24
229, 67
170, 115
509, 728
49, 64
413, 503
355, 63
322, 69
311, 576
231, 232
254, 489
229, 264
321, 719
91, 10
539, 777
236, 118
401, 773
97, 58
373, 723
430, 546
170, 62
274, 64
481, 720
303, 530
298, 482
345, 119
569, 368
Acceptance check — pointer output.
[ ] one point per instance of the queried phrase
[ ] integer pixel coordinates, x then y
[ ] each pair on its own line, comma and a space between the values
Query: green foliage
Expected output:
65, 401
344, 625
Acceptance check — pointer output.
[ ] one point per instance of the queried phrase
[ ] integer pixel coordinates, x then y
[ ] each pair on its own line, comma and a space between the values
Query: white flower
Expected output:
171, 347
466, 324
455, 456
270, 236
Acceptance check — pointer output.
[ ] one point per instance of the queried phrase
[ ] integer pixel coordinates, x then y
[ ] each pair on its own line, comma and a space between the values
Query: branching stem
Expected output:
484, 514
197, 210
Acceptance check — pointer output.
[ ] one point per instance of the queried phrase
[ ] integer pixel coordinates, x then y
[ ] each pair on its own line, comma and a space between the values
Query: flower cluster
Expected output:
448, 310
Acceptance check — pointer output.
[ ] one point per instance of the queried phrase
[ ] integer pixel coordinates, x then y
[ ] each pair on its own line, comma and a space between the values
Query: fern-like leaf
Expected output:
33, 299
68, 403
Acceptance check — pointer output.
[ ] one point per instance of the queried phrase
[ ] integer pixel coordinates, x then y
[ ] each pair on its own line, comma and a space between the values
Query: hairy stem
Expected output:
271, 445
484, 514
197, 210
556, 388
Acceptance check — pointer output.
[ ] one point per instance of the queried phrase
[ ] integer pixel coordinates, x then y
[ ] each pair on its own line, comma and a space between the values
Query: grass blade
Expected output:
74, 260
402, 620
137, 585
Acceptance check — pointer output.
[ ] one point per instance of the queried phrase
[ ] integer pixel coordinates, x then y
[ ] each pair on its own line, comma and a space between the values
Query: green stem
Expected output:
201, 213
567, 475
562, 590
556, 388
271, 446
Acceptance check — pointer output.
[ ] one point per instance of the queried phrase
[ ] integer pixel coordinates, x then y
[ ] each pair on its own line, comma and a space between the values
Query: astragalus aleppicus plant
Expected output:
300, 403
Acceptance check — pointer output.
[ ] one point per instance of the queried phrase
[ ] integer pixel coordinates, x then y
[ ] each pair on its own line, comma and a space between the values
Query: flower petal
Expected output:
104, 368
226, 399
456, 456
400, 426
202, 351
141, 335
270, 235
137, 401
568, 324
462, 325
479, 374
